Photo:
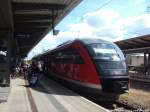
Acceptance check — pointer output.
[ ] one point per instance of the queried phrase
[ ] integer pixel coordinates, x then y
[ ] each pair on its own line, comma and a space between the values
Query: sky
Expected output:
110, 20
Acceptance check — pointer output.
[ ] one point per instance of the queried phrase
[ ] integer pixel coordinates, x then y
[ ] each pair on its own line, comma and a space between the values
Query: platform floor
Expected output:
48, 96
4, 92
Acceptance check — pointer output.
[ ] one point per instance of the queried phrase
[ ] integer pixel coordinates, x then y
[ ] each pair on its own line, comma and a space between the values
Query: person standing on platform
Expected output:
34, 74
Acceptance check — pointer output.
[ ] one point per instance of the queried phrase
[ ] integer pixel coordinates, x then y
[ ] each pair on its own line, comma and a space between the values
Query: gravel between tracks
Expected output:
137, 98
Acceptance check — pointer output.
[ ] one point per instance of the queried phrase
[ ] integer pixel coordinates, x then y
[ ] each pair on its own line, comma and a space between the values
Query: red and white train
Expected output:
92, 64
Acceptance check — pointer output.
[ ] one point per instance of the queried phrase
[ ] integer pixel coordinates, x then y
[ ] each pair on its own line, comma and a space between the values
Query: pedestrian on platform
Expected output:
34, 75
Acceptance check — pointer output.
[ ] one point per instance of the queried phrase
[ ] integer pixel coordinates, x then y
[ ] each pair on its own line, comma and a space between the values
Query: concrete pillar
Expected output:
3, 63
145, 64
9, 51
6, 65
148, 67
6, 34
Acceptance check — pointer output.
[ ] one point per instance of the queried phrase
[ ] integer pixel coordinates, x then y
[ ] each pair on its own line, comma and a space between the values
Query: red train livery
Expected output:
88, 63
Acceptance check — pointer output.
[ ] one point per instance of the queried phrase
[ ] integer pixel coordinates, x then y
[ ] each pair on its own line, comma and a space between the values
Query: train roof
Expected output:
92, 41
85, 41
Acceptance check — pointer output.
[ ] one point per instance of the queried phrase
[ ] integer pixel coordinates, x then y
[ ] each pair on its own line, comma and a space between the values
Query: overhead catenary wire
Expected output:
105, 4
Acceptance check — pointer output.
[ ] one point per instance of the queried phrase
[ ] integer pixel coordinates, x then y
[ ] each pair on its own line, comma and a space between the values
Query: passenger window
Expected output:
71, 55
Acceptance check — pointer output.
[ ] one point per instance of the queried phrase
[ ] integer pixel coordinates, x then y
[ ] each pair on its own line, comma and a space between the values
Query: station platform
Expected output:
48, 96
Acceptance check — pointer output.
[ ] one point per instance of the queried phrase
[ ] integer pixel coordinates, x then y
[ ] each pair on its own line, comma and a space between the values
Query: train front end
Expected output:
110, 64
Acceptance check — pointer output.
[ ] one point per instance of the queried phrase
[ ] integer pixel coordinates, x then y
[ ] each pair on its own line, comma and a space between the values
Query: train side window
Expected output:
71, 55
55, 57
65, 56
77, 57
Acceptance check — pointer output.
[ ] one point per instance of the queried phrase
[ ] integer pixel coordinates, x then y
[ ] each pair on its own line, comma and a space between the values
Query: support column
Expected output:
145, 64
3, 62
9, 36
148, 67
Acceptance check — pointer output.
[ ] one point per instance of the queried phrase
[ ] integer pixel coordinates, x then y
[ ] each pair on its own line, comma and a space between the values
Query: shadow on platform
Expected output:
51, 88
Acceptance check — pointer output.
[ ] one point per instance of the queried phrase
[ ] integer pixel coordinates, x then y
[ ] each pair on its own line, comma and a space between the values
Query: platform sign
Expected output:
22, 35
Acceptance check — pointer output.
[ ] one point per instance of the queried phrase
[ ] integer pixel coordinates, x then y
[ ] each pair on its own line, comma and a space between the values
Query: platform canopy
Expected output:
33, 19
135, 45
30, 20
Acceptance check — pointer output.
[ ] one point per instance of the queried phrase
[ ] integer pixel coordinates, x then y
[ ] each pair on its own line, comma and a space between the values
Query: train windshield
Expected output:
106, 52
108, 58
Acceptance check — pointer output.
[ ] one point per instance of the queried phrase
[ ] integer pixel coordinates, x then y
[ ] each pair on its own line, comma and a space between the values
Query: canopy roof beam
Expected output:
37, 6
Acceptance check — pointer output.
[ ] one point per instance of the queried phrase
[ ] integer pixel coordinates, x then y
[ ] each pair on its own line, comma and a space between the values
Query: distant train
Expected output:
93, 64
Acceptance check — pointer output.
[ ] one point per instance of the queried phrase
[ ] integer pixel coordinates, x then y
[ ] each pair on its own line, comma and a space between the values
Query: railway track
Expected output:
118, 106
125, 106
